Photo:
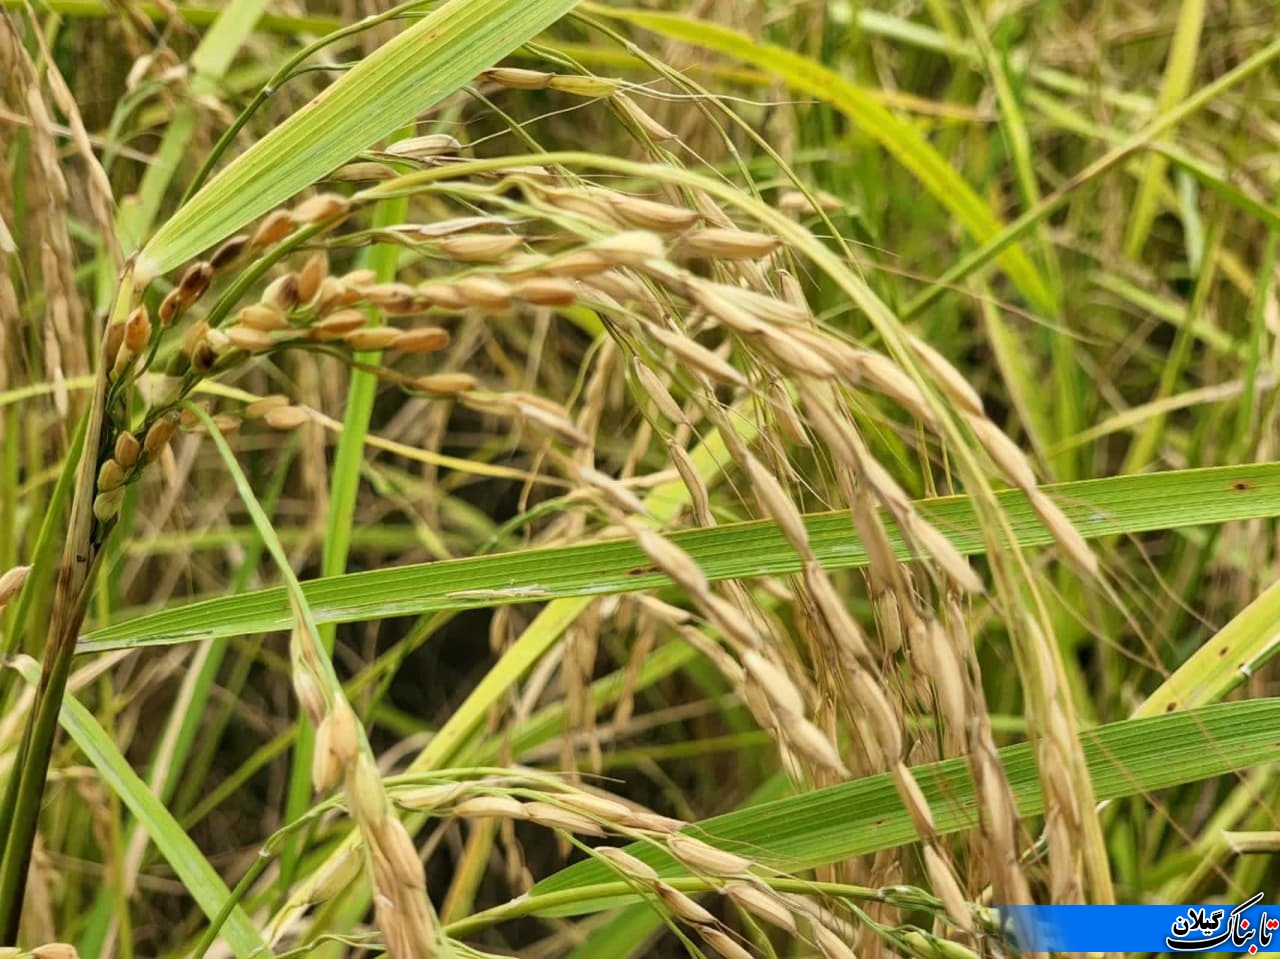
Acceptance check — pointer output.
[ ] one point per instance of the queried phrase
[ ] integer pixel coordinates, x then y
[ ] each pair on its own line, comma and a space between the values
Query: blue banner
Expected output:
1252, 927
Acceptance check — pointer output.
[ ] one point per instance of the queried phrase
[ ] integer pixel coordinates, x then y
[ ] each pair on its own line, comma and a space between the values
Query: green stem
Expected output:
81, 550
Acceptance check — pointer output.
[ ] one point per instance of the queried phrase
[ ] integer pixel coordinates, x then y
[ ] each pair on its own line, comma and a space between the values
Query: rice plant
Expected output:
562, 479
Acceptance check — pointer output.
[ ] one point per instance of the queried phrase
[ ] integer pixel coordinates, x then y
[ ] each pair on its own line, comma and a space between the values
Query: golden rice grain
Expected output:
137, 330
157, 438
248, 339
424, 339
397, 298
683, 907
831, 945
617, 493
780, 507
943, 552
337, 325
600, 807
545, 291
698, 356
372, 338
873, 703
55, 950
656, 391
946, 888
767, 307
359, 278
957, 388
170, 308
726, 311
127, 450
626, 862
795, 202
326, 770
286, 418
1064, 532
1003, 451
484, 291
281, 293
431, 797
578, 263
764, 904
321, 207
395, 843
670, 558
312, 274
110, 476
913, 799
796, 356
840, 623
479, 247
724, 944
703, 857
11, 583
445, 384
517, 78
365, 797
650, 214
311, 695
547, 415
647, 124
107, 505
782, 692
332, 293
652, 822
631, 248
262, 317
725, 244
554, 817
812, 743
424, 147
274, 227
882, 374
444, 296
490, 807
699, 495
368, 172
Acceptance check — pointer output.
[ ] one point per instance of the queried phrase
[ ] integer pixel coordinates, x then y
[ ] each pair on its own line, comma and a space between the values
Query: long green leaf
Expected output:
1178, 75
1235, 653
199, 878
1098, 508
379, 95
1126, 758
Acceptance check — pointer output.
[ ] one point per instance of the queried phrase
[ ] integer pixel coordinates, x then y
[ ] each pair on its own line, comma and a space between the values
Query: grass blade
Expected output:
178, 849
1127, 758
1177, 81
379, 95
1233, 655
1098, 508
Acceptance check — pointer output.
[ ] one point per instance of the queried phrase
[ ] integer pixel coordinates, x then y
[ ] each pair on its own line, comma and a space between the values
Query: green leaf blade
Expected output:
857, 818
1098, 508
379, 95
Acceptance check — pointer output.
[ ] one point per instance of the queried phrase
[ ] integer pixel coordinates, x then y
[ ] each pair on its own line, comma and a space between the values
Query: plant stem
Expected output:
25, 790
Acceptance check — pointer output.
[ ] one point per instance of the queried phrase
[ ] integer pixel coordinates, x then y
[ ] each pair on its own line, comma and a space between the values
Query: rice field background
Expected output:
586, 479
